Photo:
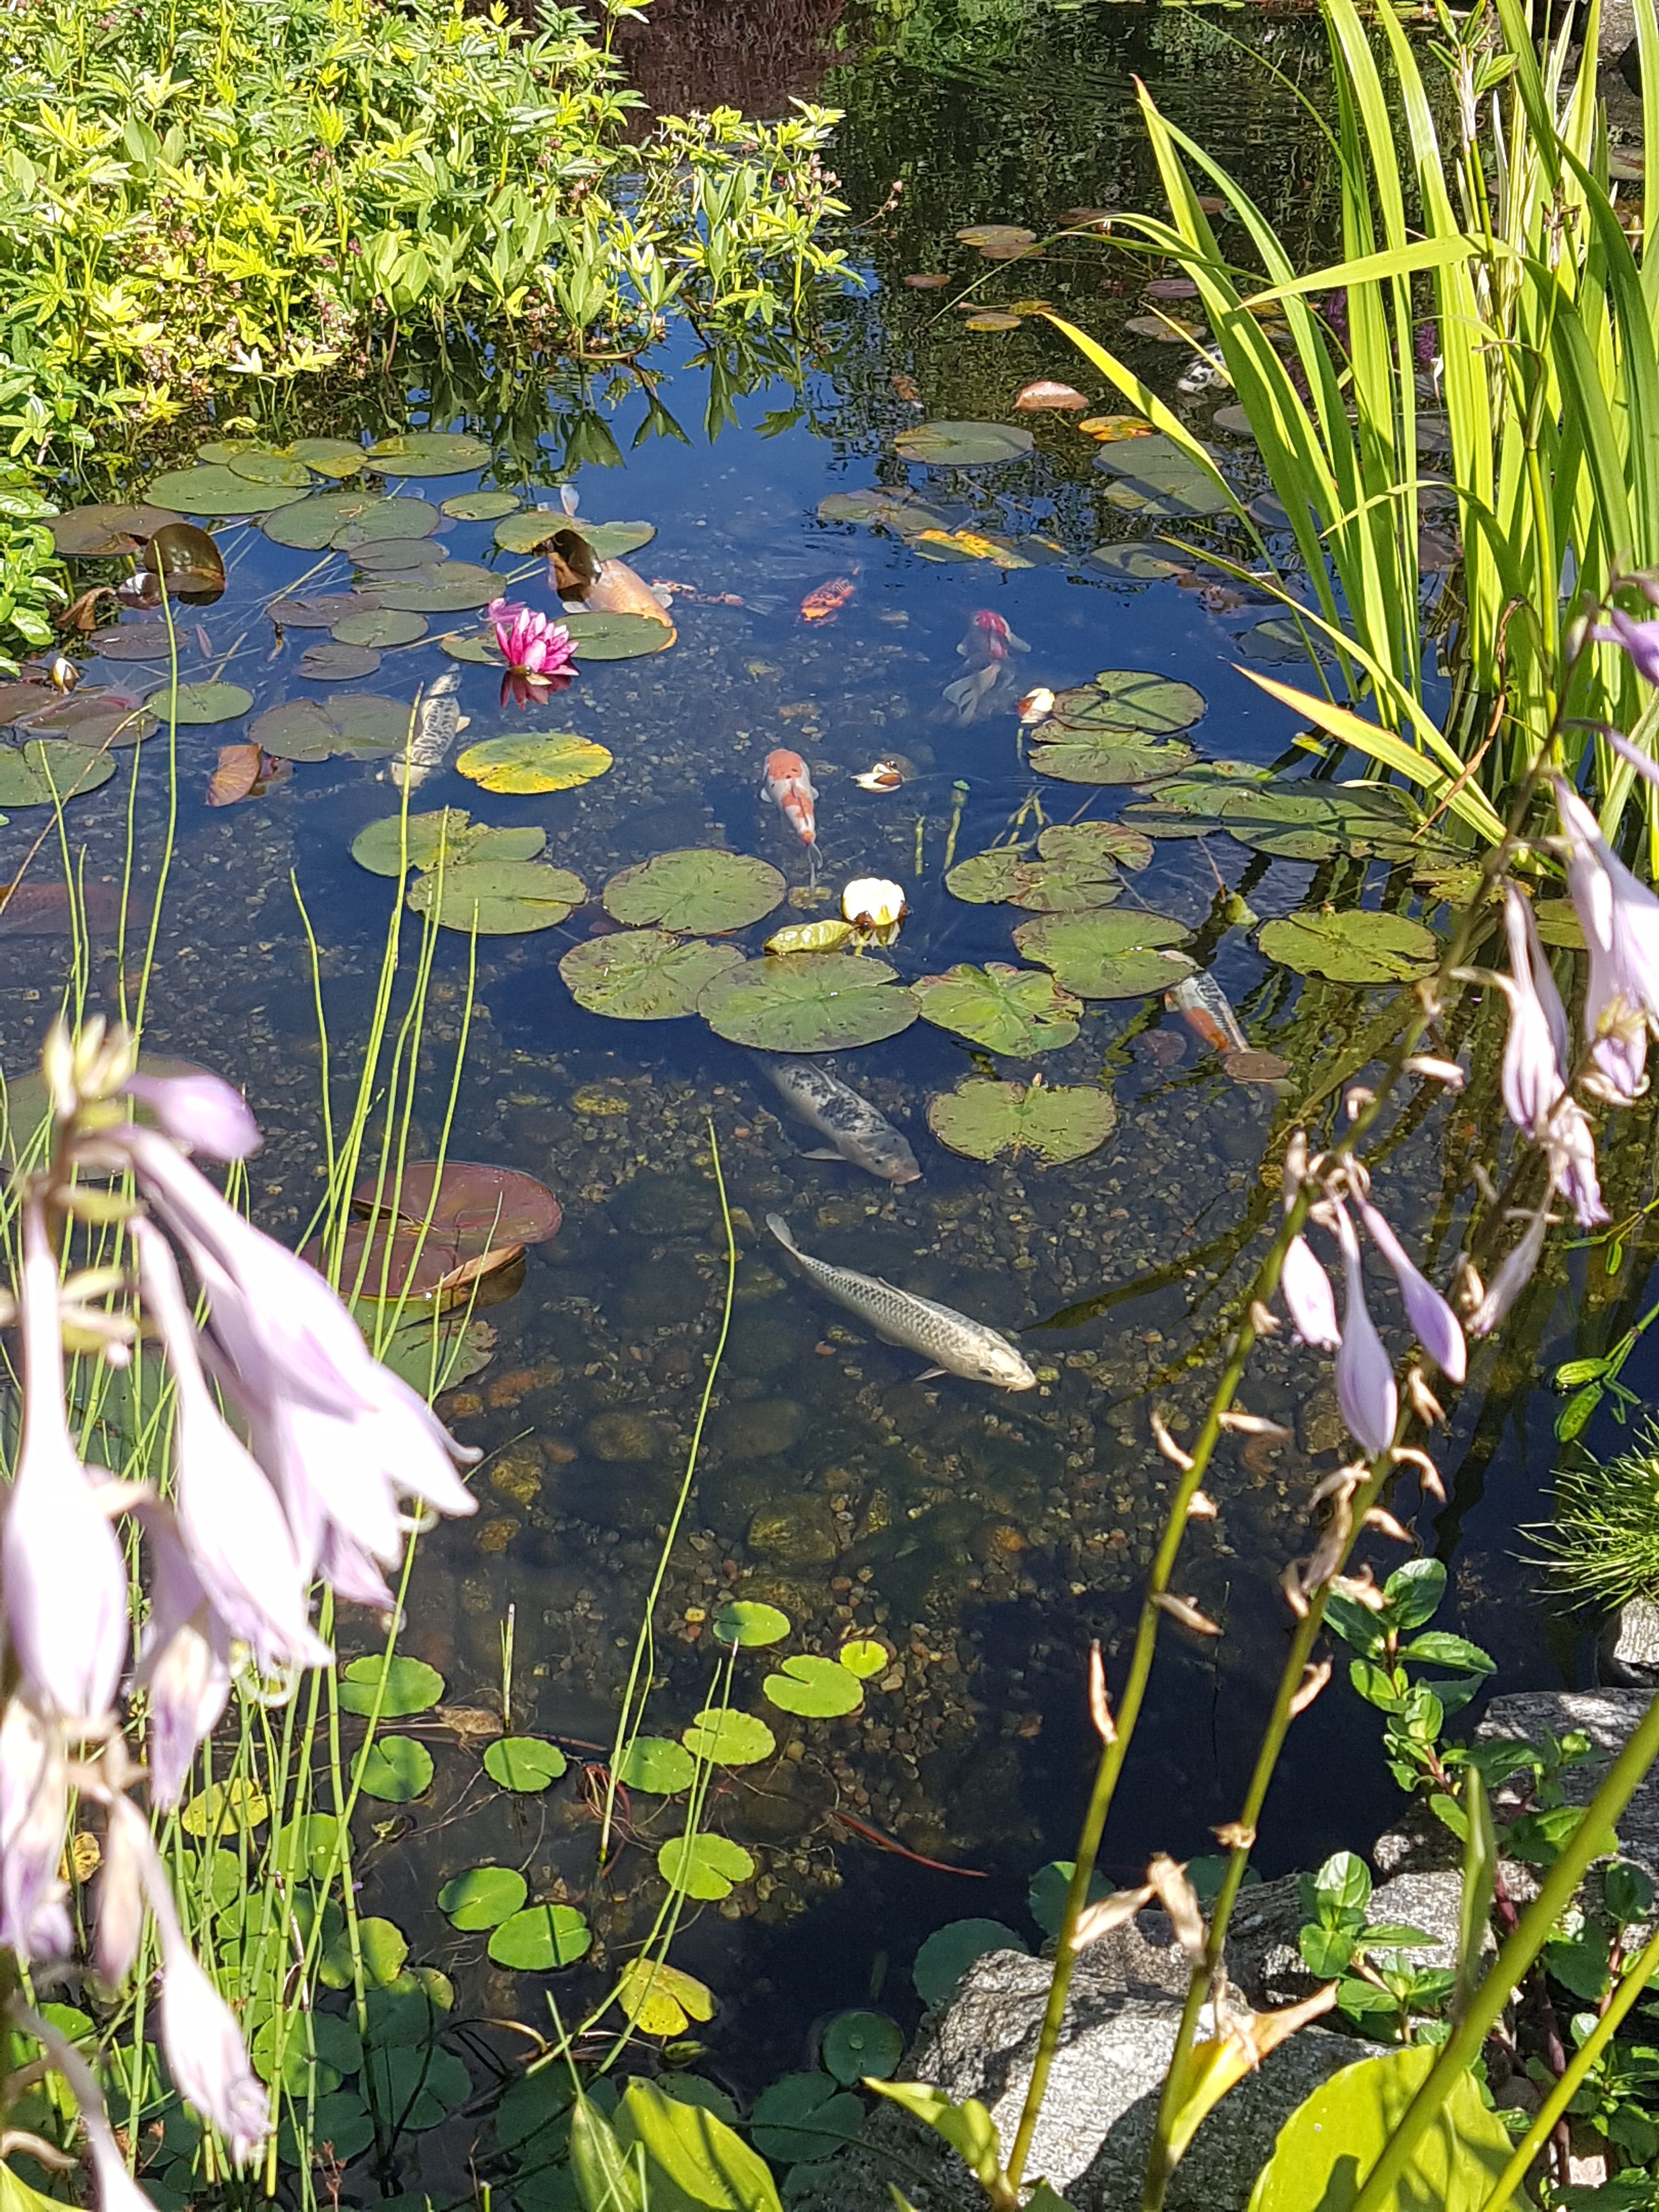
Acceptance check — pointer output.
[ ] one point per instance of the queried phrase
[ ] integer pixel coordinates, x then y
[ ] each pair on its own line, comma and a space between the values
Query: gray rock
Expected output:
1608, 1717
1628, 1647
1263, 1962
1430, 1902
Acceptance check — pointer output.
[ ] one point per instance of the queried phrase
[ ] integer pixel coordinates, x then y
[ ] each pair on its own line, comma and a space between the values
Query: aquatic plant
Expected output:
532, 644
1602, 1545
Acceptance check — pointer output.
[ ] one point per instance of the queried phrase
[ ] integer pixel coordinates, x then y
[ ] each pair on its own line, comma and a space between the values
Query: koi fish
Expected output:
907, 388
1203, 1006
790, 787
986, 649
857, 1131
438, 723
824, 604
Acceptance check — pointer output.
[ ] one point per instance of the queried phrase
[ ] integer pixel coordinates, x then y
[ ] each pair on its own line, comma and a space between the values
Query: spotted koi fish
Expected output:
824, 604
789, 785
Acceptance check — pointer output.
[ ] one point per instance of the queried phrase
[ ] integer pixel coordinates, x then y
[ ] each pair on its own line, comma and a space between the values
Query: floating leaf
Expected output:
530, 528
968, 545
134, 640
308, 526
1111, 954
983, 234
48, 771
617, 637
993, 319
480, 649
448, 834
224, 1806
481, 506
355, 725
1006, 1009
271, 468
541, 1937
827, 936
329, 456
410, 1687
216, 491
804, 2117
904, 512
817, 1689
236, 775
394, 1768
729, 1738
656, 1764
498, 898
1155, 476
1105, 756
101, 531
1171, 331
337, 664
1279, 641
750, 1625
964, 444
393, 517
1047, 1895
524, 1763
1130, 700
430, 454
1044, 395
703, 891
321, 612
417, 2087
704, 1866
863, 1657
812, 1002
536, 760
660, 1999
380, 626
482, 1897
467, 1201
1074, 868
188, 561
644, 974
432, 1355
857, 2044
1360, 946
450, 590
1112, 429
985, 1120
1135, 562
199, 703
949, 1952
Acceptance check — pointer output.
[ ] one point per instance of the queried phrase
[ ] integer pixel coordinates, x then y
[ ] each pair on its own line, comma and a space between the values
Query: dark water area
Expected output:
985, 1538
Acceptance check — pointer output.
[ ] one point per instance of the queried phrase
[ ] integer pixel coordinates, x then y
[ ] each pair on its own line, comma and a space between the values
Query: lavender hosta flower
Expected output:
1537, 1052
1432, 1320
182, 1670
1620, 921
205, 2054
1364, 1375
1639, 639
119, 1921
200, 1111
63, 1577
34, 1825
1512, 1277
116, 2190
1309, 1298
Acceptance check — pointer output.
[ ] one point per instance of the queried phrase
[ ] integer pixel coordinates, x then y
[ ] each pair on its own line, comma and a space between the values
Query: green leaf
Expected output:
803, 2117
698, 892
381, 627
949, 1952
968, 2128
606, 2180
216, 490
412, 1686
44, 771
1006, 1009
962, 444
415, 2087
1344, 1882
1046, 1897
1438, 1648
704, 1866
482, 1897
817, 1689
1111, 954
617, 637
812, 1002
199, 703
1124, 702
452, 589
644, 974
541, 1937
352, 726
1325, 1952
750, 1625
1412, 1594
656, 1764
984, 1120
1358, 946
394, 1768
549, 760
481, 506
855, 2045
864, 1657
448, 835
524, 1763
729, 1738
1156, 476
430, 454
309, 525
498, 898
1355, 1624
699, 2155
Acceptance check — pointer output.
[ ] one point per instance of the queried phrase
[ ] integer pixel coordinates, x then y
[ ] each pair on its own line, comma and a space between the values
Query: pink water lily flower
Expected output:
532, 644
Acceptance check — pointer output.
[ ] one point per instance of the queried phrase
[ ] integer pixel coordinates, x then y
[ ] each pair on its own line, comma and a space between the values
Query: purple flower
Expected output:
1536, 1066
199, 1111
64, 1579
1639, 639
34, 1823
182, 1668
1309, 1299
116, 2190
120, 1920
1432, 1320
1365, 1376
532, 644
1621, 922
1512, 1277
206, 2053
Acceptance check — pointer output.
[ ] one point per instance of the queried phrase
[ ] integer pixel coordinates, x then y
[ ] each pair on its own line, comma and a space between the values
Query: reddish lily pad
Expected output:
468, 1200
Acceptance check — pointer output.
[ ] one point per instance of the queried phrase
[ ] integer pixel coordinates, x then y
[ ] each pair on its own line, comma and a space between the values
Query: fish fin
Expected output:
779, 1229
570, 498
928, 1373
1016, 644
820, 1152
463, 722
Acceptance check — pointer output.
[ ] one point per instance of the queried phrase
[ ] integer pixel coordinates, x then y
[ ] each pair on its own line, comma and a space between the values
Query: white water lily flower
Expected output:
872, 902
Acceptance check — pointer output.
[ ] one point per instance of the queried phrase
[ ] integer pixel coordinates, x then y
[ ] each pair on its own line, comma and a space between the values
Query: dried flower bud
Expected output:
1314, 1679
1183, 1610
1167, 1444
1201, 1506
1097, 1920
1100, 1711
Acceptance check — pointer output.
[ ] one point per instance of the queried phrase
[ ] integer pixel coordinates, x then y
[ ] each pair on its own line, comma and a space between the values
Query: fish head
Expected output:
1003, 1365
990, 626
783, 767
890, 1157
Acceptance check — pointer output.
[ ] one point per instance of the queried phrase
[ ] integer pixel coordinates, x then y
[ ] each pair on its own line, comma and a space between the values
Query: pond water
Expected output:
985, 1537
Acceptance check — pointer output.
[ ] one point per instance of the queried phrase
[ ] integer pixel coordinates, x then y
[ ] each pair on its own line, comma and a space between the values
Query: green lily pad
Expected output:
355, 725
524, 1763
430, 454
750, 1625
379, 626
412, 558
545, 760
704, 1866
480, 649
985, 1120
329, 456
811, 1002
453, 589
410, 1686
481, 506
859, 2047
816, 1689
308, 524
1105, 757
903, 513
1135, 562
1154, 477
864, 1657
528, 531
617, 637
498, 898
449, 833
1278, 642
949, 1952
1006, 1009
48, 770
701, 892
644, 974
392, 515
1075, 867
541, 1937
482, 1897
1200, 789
964, 444
995, 233
613, 541
803, 2118
1307, 821
432, 1355
1113, 954
657, 1765
96, 531
729, 1738
1131, 701
269, 468
213, 490
396, 1769
329, 662
1360, 946
419, 2088
321, 612
199, 702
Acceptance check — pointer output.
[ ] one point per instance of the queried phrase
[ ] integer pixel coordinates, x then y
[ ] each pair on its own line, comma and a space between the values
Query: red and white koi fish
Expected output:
1204, 1006
790, 787
986, 649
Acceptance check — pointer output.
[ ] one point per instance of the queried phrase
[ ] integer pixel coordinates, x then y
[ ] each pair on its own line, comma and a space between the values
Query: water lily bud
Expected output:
872, 902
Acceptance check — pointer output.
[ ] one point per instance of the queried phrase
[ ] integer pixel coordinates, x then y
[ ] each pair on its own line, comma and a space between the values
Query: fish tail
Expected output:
779, 1229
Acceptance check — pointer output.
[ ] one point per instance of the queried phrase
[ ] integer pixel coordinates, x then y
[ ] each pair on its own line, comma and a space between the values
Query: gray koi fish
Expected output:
438, 722
856, 1130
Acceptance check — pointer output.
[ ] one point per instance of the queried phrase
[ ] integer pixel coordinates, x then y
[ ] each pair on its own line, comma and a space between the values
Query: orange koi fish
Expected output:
789, 785
827, 601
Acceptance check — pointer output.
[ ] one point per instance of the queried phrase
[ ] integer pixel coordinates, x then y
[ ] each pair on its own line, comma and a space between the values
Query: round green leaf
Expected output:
728, 1739
750, 1625
613, 541
541, 1937
1126, 699
271, 468
530, 528
811, 1002
857, 2045
863, 1657
482, 651
1307, 821
321, 612
355, 725
1105, 757
430, 454
656, 1764
704, 1866
213, 490
309, 525
1107, 955
199, 702
481, 506
1135, 562
482, 1897
329, 456
1075, 867
1047, 1895
395, 1768
548, 760
985, 1120
48, 770
617, 637
1279, 641
817, 1689
949, 1952
803, 2118
380, 626
450, 590
524, 1763
643, 974
291, 2064
1156, 476
329, 662
412, 1686
964, 444
416, 2087
406, 554
1006, 1009
385, 847
498, 898
1356, 947
340, 2120
700, 892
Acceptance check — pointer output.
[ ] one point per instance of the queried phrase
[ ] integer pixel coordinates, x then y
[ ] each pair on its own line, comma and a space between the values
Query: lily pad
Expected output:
983, 234
450, 590
329, 662
498, 898
859, 2047
644, 974
964, 444
269, 468
803, 2118
526, 1764
482, 1897
1136, 563
657, 1765
480, 648
970, 545
729, 1738
949, 1952
751, 1625
985, 1120
816, 1689
812, 1002
1124, 701
1006, 1009
48, 770
329, 456
1156, 476
993, 319
308, 524
321, 612
827, 936
1112, 954
617, 637
404, 1686
1106, 757
1358, 946
95, 531
378, 627
430, 454
355, 726
541, 1937
449, 833
902, 512
661, 2000
468, 1202
481, 506
390, 556
1075, 867
704, 1866
397, 1769
199, 703
137, 641
545, 760
702, 892
93, 721
1277, 642
1307, 821
216, 490
392, 515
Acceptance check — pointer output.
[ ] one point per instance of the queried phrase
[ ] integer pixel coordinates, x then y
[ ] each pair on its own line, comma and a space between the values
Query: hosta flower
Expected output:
1535, 1071
199, 1111
1364, 1374
872, 902
1309, 1298
182, 1668
1512, 1277
1432, 1320
1620, 921
1639, 639
34, 1823
205, 2054
532, 644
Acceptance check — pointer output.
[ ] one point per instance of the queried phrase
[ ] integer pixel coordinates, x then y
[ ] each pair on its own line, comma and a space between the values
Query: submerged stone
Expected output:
796, 1532
760, 1430
623, 1438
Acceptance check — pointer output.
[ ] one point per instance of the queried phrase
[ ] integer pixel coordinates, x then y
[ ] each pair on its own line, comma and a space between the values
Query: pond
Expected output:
880, 613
